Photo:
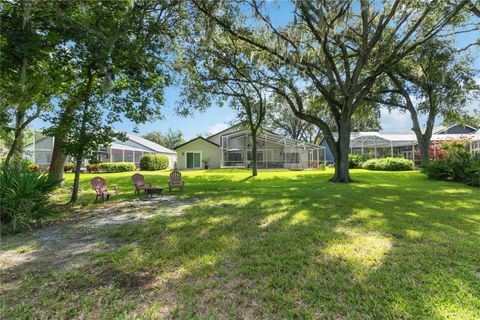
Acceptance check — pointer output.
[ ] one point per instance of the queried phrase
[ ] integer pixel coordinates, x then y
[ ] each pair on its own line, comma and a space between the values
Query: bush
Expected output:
461, 167
34, 167
92, 167
355, 161
117, 166
23, 196
388, 164
69, 167
152, 162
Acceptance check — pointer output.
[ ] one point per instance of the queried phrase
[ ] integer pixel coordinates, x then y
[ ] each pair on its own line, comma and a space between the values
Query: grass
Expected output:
281, 245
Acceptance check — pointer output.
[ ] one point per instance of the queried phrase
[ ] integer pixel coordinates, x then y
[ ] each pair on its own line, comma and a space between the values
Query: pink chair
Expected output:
176, 181
100, 187
139, 182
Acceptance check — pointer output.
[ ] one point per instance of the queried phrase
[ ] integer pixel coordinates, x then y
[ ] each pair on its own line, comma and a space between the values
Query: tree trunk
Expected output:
76, 181
16, 145
423, 138
58, 161
424, 154
254, 154
340, 153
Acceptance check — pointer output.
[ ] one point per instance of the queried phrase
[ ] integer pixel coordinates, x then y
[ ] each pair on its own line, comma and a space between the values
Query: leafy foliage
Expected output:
170, 139
339, 49
117, 166
92, 167
23, 195
30, 76
69, 167
152, 162
355, 161
388, 164
456, 165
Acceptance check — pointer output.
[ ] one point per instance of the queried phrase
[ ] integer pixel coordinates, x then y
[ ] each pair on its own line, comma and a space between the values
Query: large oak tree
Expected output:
339, 48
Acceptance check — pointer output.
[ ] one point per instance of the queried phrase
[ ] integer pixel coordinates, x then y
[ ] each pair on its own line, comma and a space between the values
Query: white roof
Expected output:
150, 144
358, 139
120, 146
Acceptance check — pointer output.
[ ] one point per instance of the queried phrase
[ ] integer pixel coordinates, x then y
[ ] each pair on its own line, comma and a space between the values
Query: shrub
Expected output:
23, 195
152, 162
117, 166
34, 167
92, 167
355, 161
459, 166
388, 164
68, 167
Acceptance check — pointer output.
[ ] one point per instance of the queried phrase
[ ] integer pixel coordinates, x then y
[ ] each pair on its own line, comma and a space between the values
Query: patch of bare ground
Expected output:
72, 244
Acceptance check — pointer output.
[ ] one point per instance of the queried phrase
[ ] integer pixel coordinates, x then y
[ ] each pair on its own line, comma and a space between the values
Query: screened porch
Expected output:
273, 152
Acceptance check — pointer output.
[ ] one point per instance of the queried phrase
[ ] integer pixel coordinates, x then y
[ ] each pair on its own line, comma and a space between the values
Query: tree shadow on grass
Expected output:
285, 248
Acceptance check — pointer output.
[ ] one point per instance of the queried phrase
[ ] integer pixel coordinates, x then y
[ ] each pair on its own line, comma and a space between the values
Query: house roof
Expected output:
119, 146
457, 124
223, 131
150, 144
201, 138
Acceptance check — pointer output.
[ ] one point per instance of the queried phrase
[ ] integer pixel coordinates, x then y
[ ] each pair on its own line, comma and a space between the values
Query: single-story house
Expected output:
375, 144
232, 148
131, 150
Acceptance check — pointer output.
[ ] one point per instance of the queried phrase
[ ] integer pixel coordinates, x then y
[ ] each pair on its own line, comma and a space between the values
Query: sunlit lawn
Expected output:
281, 245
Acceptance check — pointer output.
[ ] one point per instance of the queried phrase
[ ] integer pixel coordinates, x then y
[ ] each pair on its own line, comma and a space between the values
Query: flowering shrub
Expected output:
435, 151
458, 166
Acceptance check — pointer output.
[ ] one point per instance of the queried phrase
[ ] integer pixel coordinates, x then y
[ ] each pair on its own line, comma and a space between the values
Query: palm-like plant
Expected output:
23, 195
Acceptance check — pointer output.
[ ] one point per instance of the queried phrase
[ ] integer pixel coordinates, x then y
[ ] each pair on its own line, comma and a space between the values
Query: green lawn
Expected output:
281, 245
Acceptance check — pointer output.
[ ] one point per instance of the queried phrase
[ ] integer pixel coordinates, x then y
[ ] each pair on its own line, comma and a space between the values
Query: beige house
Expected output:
232, 148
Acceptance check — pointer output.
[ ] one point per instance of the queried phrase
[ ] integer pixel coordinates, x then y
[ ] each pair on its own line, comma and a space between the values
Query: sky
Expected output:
216, 119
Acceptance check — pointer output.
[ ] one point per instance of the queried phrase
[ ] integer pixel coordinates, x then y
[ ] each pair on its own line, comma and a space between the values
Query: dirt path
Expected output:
72, 243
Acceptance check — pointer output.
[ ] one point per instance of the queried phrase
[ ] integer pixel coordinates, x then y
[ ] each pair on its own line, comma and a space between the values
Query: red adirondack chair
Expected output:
176, 181
138, 181
100, 187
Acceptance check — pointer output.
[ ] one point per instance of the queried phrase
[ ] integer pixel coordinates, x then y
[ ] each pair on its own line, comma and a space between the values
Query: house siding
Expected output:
328, 152
209, 151
459, 129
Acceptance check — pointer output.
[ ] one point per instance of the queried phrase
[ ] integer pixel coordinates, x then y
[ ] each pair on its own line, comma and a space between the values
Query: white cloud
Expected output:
217, 127
399, 121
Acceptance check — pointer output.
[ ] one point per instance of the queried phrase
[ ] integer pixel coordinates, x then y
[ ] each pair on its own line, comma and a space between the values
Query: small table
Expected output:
153, 190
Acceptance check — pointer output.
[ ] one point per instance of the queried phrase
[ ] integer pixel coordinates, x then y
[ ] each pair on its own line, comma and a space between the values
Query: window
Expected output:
235, 156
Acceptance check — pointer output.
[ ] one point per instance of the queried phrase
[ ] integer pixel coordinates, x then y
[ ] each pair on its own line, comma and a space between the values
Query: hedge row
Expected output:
388, 164
152, 162
117, 166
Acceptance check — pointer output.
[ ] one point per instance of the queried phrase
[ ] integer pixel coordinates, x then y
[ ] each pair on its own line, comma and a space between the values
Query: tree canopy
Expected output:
169, 139
337, 48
